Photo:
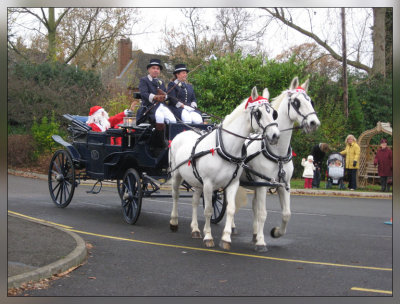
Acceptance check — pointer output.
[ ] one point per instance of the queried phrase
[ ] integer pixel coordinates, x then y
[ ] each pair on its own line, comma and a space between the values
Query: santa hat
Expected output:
94, 110
258, 101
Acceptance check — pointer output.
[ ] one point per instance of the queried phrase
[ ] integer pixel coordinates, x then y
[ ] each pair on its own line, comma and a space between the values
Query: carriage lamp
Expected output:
129, 119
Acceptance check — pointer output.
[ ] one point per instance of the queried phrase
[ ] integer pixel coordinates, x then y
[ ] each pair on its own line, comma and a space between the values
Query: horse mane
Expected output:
276, 101
235, 113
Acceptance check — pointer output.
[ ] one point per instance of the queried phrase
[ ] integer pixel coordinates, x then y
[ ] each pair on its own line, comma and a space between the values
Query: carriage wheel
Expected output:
219, 206
61, 178
131, 191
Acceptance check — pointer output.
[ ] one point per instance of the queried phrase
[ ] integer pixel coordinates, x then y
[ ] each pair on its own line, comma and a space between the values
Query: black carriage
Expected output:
137, 164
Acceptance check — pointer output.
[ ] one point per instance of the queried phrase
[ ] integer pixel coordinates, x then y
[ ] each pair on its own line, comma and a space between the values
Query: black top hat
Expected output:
155, 62
180, 67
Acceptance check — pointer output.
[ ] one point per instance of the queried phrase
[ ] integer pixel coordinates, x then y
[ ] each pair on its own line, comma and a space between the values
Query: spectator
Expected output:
308, 172
352, 153
383, 159
318, 152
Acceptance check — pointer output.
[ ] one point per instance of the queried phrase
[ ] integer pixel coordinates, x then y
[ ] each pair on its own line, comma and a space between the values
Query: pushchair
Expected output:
335, 165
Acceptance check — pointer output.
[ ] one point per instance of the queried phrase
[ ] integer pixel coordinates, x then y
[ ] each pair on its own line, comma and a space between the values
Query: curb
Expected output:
73, 259
310, 192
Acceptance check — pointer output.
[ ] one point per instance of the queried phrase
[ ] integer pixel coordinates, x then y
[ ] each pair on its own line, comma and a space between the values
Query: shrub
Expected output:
20, 147
42, 133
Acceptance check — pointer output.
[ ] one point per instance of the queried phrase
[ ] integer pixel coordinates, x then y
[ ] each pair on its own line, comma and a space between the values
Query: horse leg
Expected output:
194, 224
254, 207
284, 199
230, 212
176, 182
260, 208
208, 210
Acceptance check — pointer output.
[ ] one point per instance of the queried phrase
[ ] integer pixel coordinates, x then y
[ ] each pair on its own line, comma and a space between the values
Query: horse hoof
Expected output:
209, 243
234, 231
196, 235
225, 245
254, 238
174, 228
261, 248
275, 232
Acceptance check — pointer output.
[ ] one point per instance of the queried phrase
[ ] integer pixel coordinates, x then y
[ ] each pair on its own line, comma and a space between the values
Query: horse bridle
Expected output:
296, 106
257, 117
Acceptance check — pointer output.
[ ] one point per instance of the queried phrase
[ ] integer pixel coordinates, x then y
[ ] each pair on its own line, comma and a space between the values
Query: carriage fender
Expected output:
71, 149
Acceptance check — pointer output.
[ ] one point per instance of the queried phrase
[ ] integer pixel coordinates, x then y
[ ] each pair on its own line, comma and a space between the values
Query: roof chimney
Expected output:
124, 53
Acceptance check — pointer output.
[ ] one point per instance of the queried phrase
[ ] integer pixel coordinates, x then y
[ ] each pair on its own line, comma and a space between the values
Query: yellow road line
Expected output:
372, 290
204, 249
232, 253
39, 220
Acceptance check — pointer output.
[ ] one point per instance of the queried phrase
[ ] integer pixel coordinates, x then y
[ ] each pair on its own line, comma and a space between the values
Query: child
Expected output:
308, 173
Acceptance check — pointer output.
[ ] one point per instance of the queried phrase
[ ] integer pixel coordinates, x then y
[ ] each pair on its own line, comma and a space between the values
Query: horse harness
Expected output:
280, 160
220, 148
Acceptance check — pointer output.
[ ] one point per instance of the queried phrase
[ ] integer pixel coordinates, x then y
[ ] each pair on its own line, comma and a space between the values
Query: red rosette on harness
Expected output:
258, 101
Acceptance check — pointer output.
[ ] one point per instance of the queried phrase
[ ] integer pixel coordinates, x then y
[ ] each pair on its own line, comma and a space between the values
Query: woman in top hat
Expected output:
384, 161
182, 100
152, 91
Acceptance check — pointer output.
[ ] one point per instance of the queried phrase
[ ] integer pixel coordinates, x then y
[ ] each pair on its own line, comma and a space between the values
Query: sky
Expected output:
277, 39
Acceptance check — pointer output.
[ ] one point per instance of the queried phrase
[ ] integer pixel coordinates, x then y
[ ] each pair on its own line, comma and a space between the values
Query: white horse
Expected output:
213, 161
275, 162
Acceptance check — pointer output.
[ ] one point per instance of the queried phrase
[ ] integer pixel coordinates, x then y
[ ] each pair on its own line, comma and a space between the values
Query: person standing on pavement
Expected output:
182, 100
308, 172
318, 152
384, 161
352, 153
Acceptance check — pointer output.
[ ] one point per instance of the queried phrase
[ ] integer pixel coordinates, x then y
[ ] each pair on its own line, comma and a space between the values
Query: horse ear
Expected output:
305, 85
294, 84
254, 93
265, 93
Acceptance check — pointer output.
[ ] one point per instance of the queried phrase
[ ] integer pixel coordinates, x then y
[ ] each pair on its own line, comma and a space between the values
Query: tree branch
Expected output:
335, 55
81, 42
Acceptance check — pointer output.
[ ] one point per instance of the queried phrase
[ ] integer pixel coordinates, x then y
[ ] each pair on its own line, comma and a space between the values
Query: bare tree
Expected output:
285, 16
235, 24
85, 36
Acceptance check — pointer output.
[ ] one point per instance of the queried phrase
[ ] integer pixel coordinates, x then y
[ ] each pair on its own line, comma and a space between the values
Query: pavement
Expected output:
38, 250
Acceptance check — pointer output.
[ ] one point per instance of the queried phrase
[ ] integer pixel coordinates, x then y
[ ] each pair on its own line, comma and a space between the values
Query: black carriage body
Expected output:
100, 159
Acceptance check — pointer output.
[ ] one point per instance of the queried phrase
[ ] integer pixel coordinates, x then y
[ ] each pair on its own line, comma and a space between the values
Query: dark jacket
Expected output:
383, 159
148, 88
318, 155
182, 93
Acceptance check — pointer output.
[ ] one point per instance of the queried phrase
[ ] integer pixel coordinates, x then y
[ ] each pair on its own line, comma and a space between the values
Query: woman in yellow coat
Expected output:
352, 153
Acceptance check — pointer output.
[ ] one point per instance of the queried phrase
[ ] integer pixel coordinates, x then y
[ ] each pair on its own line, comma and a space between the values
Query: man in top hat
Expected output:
99, 121
152, 91
182, 100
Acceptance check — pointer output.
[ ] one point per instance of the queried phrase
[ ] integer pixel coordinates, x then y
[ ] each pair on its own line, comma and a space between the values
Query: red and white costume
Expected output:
99, 121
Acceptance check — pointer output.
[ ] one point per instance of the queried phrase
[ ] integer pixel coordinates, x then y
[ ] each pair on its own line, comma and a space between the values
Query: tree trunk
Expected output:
378, 38
51, 28
344, 56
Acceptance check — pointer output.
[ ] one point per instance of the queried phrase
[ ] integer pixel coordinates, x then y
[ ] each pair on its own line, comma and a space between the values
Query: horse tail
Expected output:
241, 198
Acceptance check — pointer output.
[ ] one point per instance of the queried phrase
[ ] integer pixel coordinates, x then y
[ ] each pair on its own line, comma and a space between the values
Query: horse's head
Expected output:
301, 107
263, 116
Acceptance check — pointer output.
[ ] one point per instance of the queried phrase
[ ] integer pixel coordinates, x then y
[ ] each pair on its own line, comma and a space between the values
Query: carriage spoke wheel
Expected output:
61, 178
131, 191
219, 206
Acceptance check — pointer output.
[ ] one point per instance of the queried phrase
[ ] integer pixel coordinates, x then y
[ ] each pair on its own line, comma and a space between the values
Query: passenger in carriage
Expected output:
153, 94
99, 121
182, 100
